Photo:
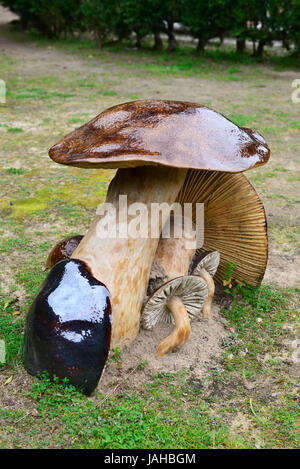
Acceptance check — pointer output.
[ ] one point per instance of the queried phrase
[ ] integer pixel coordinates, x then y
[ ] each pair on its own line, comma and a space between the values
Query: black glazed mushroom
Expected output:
68, 326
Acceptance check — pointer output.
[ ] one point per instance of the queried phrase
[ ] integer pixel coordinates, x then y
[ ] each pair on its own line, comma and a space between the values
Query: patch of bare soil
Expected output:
204, 344
278, 272
13, 386
138, 361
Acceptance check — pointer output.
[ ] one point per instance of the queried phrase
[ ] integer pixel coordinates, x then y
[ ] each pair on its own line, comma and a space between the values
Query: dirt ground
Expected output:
77, 85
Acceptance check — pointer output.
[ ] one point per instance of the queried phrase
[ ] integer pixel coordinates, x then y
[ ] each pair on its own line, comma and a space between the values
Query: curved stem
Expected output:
206, 310
182, 328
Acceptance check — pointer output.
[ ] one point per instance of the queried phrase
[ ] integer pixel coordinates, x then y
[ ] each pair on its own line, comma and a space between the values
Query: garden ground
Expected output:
234, 388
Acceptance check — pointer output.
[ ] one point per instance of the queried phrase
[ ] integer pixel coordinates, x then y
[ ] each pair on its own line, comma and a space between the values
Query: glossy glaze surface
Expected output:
63, 250
68, 329
170, 133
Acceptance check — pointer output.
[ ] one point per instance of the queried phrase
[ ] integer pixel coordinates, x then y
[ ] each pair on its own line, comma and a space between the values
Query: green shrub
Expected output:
261, 21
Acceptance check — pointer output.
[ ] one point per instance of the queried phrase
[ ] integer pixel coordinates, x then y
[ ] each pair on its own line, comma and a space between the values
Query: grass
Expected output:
244, 401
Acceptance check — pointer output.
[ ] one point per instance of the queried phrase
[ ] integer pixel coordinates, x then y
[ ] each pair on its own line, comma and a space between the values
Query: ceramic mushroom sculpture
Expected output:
205, 265
153, 144
174, 296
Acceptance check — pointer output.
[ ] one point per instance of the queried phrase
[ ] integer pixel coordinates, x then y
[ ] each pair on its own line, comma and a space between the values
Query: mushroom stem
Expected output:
124, 263
181, 331
173, 257
206, 310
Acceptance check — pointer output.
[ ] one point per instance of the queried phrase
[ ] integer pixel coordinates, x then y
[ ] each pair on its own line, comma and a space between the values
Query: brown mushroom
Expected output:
153, 143
63, 250
171, 136
205, 265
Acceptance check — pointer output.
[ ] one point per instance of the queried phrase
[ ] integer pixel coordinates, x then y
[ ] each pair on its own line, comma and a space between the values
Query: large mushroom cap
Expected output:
191, 289
157, 132
234, 222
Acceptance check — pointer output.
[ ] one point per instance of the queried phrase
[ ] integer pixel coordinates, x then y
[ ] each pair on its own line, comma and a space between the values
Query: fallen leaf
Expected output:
8, 302
9, 380
16, 312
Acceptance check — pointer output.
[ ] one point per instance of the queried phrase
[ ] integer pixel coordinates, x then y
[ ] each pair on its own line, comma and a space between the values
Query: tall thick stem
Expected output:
123, 263
182, 329
174, 256
206, 310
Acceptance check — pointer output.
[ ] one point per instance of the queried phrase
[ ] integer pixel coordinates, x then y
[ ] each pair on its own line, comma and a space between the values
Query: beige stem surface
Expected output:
182, 328
174, 256
123, 264
206, 310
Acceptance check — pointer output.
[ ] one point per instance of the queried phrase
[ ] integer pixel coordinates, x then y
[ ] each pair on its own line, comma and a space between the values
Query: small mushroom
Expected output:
63, 250
175, 301
205, 265
179, 298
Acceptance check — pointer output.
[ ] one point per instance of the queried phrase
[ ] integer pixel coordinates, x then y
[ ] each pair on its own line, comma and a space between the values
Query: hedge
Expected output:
261, 21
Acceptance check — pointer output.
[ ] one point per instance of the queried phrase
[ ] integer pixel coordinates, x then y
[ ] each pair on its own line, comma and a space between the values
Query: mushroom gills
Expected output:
68, 328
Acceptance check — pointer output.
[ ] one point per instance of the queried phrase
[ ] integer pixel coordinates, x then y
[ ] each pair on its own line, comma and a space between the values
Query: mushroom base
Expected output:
68, 327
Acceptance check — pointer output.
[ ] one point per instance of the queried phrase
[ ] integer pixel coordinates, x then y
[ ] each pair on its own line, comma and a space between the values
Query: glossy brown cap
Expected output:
63, 250
168, 133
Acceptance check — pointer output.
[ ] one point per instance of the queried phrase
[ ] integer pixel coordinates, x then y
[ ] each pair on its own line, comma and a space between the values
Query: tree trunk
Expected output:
200, 46
260, 48
172, 43
138, 42
99, 39
158, 44
240, 45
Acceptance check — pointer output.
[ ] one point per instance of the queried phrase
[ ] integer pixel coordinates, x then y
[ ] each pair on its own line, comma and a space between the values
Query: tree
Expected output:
206, 19
51, 18
144, 17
